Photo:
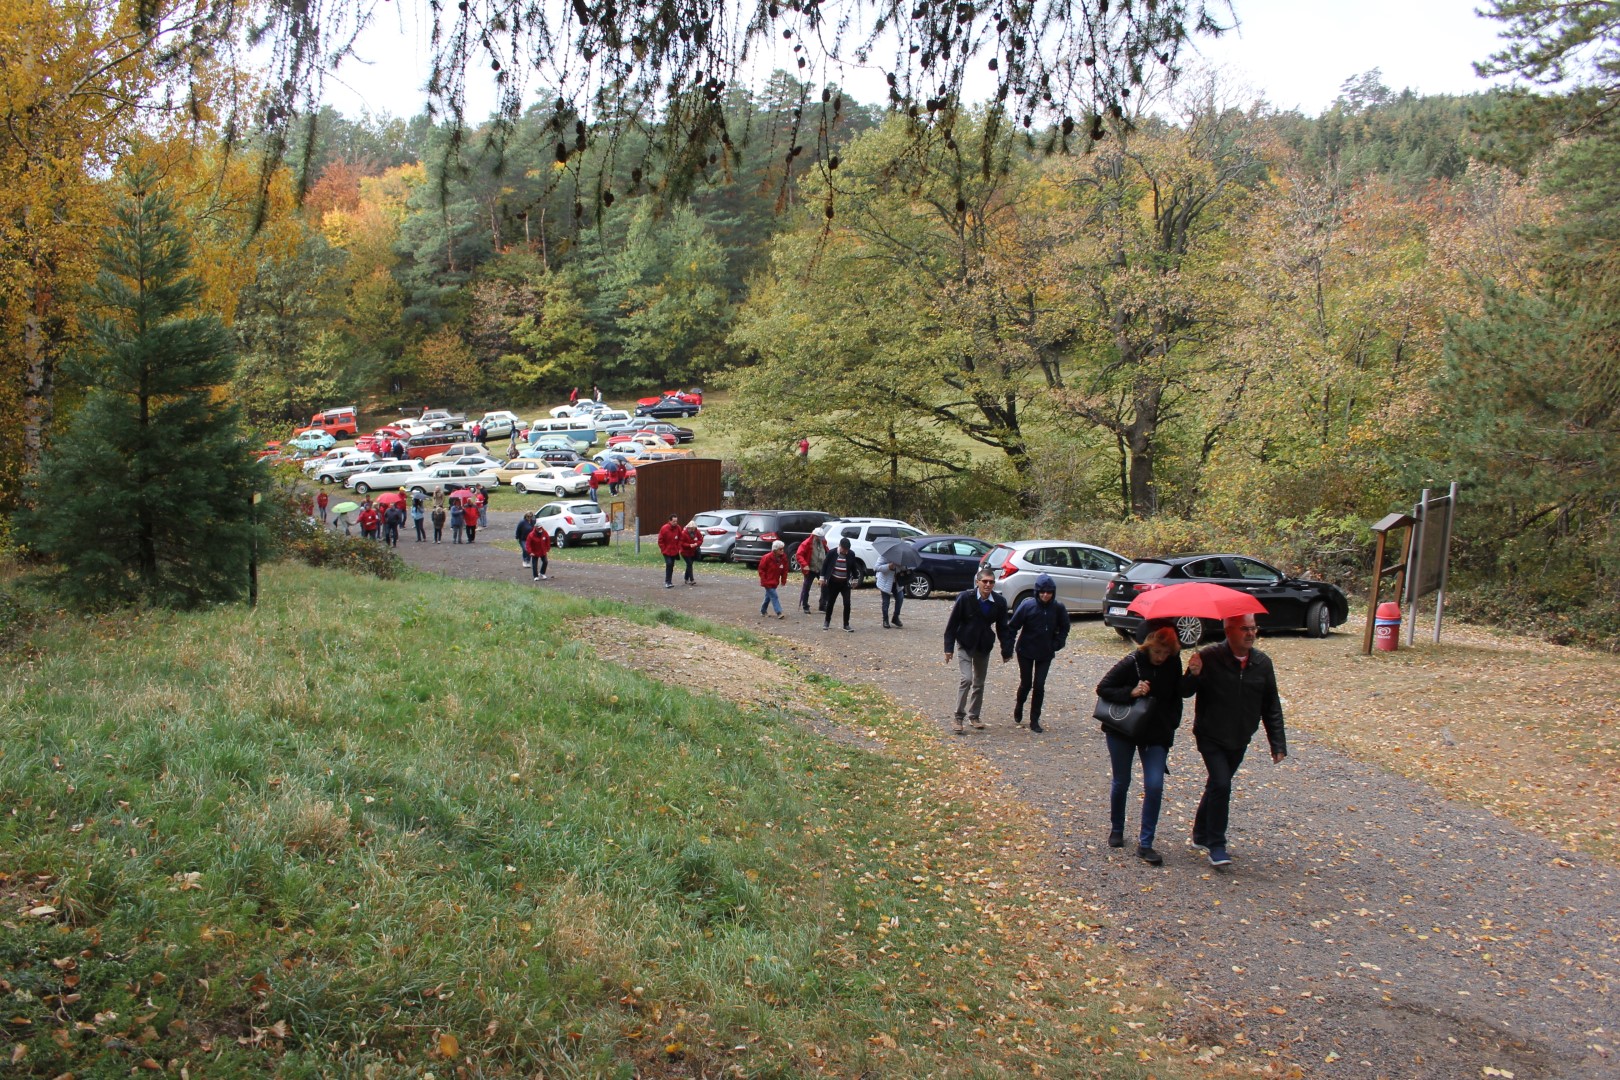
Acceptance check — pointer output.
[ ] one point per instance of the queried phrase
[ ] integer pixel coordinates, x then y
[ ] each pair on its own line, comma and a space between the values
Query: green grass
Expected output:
377, 828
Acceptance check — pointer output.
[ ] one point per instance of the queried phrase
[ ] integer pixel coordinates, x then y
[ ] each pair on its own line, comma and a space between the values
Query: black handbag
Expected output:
1127, 721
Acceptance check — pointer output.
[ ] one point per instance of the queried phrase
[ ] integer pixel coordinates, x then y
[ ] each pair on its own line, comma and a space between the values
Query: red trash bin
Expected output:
1387, 626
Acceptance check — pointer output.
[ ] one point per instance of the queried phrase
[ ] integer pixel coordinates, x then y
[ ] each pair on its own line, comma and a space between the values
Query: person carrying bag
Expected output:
1139, 707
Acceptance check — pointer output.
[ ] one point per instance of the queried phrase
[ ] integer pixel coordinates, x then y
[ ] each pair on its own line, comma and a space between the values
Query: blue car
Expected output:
313, 442
948, 564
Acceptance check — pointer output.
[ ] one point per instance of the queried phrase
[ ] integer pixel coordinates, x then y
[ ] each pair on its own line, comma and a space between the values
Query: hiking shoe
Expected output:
898, 624
1116, 837
1018, 719
1035, 726
885, 626
1218, 857
976, 722
669, 584
849, 629
1148, 855
779, 615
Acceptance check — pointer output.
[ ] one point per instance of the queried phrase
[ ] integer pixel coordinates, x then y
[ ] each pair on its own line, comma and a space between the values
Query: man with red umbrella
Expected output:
1237, 692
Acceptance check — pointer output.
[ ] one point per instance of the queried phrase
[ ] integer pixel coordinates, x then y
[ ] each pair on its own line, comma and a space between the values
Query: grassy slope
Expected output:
375, 826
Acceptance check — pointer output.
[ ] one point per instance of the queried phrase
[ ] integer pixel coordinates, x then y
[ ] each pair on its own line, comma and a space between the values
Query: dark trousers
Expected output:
1221, 763
438, 531
1031, 685
835, 588
804, 592
1121, 754
690, 559
537, 565
669, 569
421, 532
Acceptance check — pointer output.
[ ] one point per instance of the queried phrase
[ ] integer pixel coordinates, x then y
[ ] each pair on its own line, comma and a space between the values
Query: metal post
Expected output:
1414, 565
253, 553
1445, 561
638, 534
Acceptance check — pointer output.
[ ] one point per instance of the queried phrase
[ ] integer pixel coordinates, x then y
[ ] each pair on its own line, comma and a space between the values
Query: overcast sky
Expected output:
1294, 53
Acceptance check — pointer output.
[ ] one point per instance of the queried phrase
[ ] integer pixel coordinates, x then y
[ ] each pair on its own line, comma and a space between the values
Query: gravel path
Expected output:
1368, 928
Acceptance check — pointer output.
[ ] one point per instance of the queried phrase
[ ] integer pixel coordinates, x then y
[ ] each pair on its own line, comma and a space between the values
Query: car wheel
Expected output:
1021, 598
1124, 633
1189, 630
919, 586
558, 491
1318, 620
559, 539
857, 575
605, 541
362, 488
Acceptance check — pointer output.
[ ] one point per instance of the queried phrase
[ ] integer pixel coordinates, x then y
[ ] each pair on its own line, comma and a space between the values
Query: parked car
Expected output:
431, 445
863, 532
463, 451
339, 423
574, 521
270, 450
667, 407
693, 396
948, 564
551, 480
345, 467
759, 528
611, 418
719, 529
384, 475
313, 442
447, 476
565, 458
1315, 607
586, 408
659, 427
500, 424
331, 457
1083, 572
442, 419
645, 439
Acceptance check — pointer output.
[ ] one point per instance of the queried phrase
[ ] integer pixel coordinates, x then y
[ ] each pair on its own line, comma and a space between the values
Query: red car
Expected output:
368, 443
693, 396
619, 440
271, 449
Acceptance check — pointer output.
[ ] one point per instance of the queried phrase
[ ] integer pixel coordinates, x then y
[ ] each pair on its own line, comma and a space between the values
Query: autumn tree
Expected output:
147, 497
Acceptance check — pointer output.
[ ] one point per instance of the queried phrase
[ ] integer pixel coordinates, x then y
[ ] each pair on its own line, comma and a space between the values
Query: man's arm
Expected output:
1271, 715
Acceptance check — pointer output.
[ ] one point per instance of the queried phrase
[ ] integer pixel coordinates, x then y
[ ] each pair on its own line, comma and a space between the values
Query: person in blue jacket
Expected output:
1040, 628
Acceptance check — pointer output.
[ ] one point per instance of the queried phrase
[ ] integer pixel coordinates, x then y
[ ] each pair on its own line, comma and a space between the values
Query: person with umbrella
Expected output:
1152, 671
1236, 686
1040, 629
458, 520
893, 566
343, 510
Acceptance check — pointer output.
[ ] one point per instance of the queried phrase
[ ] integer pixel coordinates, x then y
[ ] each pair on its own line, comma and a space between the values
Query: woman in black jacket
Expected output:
1152, 671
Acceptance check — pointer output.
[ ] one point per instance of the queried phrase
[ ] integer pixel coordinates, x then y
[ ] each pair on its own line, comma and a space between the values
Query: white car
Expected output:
385, 475
585, 407
549, 480
500, 425
465, 453
862, 532
612, 418
331, 457
574, 521
346, 466
448, 476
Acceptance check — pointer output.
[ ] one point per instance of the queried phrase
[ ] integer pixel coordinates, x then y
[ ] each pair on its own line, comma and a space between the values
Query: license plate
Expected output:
1116, 611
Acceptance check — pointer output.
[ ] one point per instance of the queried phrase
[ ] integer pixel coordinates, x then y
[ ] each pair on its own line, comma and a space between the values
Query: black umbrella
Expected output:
898, 552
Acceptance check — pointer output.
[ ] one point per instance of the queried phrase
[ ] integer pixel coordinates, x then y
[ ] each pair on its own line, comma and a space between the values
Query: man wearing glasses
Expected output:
977, 621
1237, 692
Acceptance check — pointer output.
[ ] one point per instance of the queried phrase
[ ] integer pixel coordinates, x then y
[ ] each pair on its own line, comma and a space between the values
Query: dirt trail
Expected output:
1369, 927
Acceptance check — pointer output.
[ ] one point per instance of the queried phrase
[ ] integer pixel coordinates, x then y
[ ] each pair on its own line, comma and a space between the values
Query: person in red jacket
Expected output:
805, 555
538, 545
670, 536
321, 499
596, 482
691, 544
369, 520
773, 570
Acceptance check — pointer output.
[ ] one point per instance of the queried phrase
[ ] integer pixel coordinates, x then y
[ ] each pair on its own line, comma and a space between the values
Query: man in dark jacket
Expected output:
1041, 628
1237, 691
837, 570
978, 618
524, 528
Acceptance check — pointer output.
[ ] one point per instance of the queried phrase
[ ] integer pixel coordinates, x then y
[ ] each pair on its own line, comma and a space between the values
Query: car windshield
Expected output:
1147, 570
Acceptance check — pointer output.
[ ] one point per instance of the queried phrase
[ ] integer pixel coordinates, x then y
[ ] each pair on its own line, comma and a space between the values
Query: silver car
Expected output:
340, 470
1082, 572
719, 529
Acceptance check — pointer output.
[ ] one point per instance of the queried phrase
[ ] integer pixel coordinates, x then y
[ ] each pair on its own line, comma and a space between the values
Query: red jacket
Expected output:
691, 542
806, 552
368, 519
537, 543
773, 569
669, 539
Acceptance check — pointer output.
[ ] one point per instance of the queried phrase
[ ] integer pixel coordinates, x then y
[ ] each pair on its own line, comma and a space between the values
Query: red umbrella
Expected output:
391, 497
462, 493
1198, 599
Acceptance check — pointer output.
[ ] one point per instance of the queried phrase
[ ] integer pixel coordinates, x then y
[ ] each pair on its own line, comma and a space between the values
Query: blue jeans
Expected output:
771, 600
1121, 752
1209, 824
899, 598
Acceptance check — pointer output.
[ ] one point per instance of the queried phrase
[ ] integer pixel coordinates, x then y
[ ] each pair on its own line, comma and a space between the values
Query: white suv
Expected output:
573, 521
862, 532
385, 475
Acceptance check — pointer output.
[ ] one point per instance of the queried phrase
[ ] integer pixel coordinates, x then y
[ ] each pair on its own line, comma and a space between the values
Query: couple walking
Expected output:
1035, 632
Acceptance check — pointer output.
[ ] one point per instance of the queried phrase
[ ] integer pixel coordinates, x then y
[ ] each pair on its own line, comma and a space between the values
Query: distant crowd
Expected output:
384, 517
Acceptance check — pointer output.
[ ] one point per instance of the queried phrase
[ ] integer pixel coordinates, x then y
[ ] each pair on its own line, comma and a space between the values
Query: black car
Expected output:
561, 457
668, 407
1291, 603
948, 564
761, 528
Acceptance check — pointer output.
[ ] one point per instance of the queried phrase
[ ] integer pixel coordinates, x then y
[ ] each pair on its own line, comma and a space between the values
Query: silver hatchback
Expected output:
1082, 572
719, 529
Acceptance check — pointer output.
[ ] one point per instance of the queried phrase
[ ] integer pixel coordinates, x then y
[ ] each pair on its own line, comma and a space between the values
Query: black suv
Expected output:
761, 527
1315, 607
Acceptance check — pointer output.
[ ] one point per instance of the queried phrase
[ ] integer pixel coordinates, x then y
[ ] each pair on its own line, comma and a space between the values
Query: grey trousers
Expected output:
970, 691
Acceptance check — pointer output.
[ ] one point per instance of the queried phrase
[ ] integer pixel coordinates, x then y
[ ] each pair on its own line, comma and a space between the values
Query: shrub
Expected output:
285, 516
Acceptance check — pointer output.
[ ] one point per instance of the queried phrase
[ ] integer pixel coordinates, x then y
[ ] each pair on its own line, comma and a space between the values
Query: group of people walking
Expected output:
383, 520
1233, 683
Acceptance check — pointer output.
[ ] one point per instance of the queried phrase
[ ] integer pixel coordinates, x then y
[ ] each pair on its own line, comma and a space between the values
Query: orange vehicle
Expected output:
338, 423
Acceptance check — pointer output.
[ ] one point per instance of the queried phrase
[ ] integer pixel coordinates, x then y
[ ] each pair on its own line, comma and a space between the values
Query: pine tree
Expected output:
146, 498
